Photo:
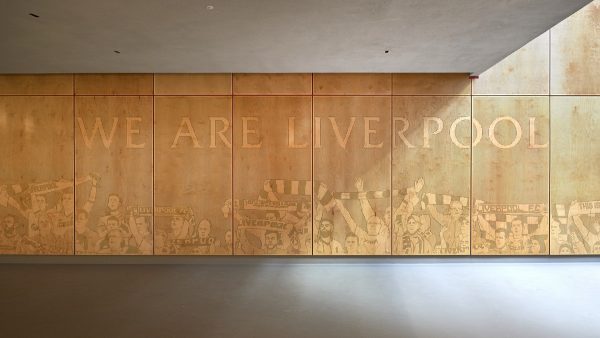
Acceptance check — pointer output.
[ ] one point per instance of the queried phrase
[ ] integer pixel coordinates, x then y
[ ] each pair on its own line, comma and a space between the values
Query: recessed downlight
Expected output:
117, 52
34, 15
210, 7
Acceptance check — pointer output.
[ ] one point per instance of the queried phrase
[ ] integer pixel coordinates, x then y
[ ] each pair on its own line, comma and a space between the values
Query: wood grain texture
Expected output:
272, 84
352, 155
46, 84
524, 72
114, 84
431, 84
352, 84
192, 169
36, 186
510, 176
192, 84
113, 150
575, 179
271, 175
576, 53
431, 170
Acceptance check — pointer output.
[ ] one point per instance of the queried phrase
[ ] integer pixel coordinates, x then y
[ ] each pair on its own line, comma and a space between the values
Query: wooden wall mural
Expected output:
310, 164
113, 155
272, 195
192, 175
575, 185
431, 167
352, 175
510, 179
36, 193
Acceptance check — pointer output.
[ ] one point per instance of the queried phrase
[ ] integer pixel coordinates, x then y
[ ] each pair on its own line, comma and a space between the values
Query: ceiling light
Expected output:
210, 7
117, 52
34, 15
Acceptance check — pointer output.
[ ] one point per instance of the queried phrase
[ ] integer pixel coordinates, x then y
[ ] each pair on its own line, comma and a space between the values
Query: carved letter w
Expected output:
98, 126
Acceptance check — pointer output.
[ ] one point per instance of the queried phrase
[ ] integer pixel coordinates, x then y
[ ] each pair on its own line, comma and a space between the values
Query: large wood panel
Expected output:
272, 175
36, 186
431, 84
352, 166
272, 84
192, 170
192, 84
352, 84
28, 84
114, 84
510, 176
575, 178
524, 72
576, 53
431, 167
113, 148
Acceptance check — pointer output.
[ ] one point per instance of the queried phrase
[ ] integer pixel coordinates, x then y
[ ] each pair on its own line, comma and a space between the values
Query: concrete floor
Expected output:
381, 298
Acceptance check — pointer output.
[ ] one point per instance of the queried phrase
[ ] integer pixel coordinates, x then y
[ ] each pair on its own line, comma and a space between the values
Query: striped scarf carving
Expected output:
445, 199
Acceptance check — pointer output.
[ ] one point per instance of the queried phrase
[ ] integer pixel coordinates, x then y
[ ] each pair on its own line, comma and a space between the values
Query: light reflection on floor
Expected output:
470, 299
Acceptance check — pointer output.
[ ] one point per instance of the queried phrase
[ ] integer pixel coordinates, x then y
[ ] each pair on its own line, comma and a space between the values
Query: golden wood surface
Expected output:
192, 175
575, 184
272, 84
271, 173
510, 176
524, 72
47, 84
36, 190
113, 150
431, 84
352, 138
114, 84
192, 84
431, 172
576, 53
352, 84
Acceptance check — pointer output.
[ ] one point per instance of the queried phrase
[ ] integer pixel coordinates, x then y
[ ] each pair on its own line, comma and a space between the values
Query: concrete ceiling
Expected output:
186, 36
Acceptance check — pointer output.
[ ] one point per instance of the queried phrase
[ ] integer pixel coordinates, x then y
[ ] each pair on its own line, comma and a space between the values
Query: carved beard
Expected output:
324, 233
10, 232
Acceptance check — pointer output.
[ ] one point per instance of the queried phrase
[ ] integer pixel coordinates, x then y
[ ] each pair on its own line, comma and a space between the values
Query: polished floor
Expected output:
308, 298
